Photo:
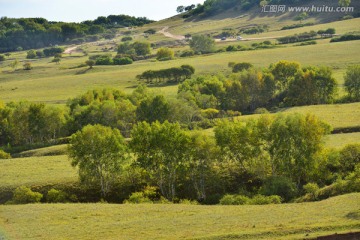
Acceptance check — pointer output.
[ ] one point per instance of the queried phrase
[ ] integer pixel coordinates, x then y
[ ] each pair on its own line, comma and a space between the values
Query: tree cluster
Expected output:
33, 33
282, 83
177, 74
298, 37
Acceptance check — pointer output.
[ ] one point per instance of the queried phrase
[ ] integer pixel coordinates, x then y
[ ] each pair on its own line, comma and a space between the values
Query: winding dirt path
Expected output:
70, 50
165, 32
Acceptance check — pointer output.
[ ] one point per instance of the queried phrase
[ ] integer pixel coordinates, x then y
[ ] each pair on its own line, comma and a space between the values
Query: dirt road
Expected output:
165, 32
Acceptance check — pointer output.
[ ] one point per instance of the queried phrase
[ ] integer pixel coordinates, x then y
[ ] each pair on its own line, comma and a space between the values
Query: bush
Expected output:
347, 37
4, 155
241, 66
311, 188
2, 57
31, 54
280, 186
50, 52
27, 66
313, 42
23, 195
187, 53
125, 39
122, 61
164, 54
138, 197
234, 200
263, 200
261, 111
40, 54
104, 60
56, 196
188, 202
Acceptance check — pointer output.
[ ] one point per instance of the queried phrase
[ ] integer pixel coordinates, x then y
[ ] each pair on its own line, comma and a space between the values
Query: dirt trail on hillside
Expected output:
70, 50
165, 32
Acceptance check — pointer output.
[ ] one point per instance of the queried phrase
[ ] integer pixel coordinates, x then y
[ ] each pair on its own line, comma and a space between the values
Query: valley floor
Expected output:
155, 221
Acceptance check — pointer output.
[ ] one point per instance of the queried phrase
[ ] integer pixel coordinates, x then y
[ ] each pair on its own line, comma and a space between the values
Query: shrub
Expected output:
261, 111
23, 195
31, 54
4, 155
27, 66
40, 54
56, 196
280, 186
188, 202
187, 53
104, 60
263, 200
138, 197
150, 31
311, 188
49, 52
2, 57
164, 54
125, 39
347, 37
234, 200
122, 61
241, 66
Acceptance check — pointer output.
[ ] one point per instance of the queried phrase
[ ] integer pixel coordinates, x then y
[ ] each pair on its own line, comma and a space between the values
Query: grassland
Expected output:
152, 221
340, 140
56, 83
36, 171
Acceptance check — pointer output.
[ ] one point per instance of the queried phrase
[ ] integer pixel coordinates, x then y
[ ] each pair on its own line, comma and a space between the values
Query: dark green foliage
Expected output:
2, 57
170, 74
202, 44
49, 52
33, 33
244, 200
151, 110
150, 31
187, 53
298, 37
347, 37
281, 186
239, 67
313, 42
125, 39
255, 30
138, 48
298, 25
31, 54
352, 82
349, 157
23, 195
104, 60
122, 61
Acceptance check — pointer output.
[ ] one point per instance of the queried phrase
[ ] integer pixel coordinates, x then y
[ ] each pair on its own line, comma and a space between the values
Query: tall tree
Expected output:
99, 153
352, 82
202, 44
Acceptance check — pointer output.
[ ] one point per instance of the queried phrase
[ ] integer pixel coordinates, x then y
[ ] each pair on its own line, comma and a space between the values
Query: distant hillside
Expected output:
30, 33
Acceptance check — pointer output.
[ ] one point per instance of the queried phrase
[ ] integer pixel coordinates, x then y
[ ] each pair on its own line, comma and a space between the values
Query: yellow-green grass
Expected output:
34, 171
152, 221
46, 151
340, 140
52, 83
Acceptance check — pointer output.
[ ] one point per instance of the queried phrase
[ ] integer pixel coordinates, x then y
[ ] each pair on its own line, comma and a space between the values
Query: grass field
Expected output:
152, 221
340, 140
56, 83
36, 171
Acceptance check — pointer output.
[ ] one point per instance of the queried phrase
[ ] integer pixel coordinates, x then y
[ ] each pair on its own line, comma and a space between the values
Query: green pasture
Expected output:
342, 139
153, 221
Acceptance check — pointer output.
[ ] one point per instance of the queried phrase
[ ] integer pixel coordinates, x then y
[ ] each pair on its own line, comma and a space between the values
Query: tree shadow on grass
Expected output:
156, 85
83, 71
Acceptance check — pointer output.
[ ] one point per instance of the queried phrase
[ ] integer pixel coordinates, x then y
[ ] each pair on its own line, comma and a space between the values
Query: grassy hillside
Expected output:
36, 171
152, 221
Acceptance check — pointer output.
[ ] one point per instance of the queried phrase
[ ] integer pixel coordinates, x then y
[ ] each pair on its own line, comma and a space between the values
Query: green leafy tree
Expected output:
162, 150
202, 43
284, 72
344, 3
90, 63
27, 66
99, 153
352, 82
155, 109
142, 48
164, 54
23, 195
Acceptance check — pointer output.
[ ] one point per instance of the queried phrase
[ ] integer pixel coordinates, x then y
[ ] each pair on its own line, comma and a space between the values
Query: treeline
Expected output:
177, 74
33, 33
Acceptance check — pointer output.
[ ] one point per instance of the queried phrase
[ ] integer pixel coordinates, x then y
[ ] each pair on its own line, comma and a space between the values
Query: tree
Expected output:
202, 43
126, 48
90, 63
142, 48
155, 109
56, 60
31, 54
284, 72
164, 54
162, 150
180, 9
294, 141
352, 82
99, 153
